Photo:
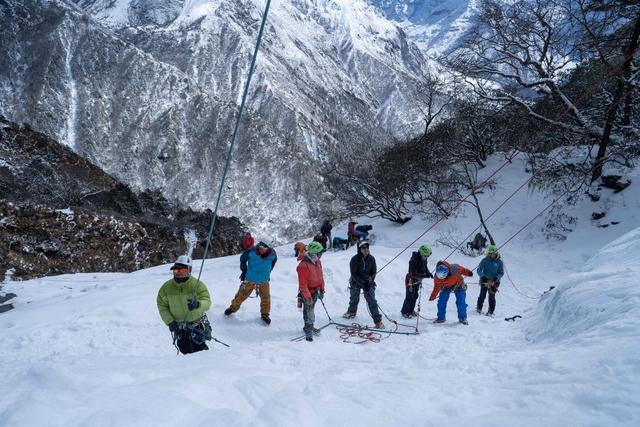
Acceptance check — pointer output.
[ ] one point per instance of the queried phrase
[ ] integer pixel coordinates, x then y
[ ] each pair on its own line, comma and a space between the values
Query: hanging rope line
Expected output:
235, 134
612, 71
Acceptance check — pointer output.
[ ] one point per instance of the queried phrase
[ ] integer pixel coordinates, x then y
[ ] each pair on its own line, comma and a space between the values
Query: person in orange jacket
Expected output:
311, 286
449, 278
300, 250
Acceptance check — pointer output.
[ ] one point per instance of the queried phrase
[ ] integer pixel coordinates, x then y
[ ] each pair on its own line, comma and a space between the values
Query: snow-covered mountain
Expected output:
148, 90
435, 25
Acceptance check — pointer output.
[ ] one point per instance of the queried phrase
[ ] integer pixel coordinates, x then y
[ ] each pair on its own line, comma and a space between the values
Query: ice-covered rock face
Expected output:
149, 90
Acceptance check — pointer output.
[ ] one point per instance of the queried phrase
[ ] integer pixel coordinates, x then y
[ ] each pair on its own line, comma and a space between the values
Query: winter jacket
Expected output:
326, 228
310, 277
363, 270
454, 278
418, 269
173, 298
491, 268
256, 268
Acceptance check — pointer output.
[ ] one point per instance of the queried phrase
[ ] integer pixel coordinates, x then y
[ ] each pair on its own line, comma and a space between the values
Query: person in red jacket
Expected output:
311, 286
449, 278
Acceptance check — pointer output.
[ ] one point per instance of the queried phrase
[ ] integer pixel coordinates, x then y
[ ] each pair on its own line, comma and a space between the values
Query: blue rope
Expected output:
235, 134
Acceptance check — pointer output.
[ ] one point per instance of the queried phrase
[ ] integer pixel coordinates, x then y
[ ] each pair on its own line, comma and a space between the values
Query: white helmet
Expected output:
183, 261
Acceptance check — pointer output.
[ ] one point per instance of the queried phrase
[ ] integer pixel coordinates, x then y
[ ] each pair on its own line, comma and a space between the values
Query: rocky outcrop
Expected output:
59, 213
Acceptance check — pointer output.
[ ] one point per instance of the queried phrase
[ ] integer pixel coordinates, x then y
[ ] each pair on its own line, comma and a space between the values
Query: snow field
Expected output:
91, 350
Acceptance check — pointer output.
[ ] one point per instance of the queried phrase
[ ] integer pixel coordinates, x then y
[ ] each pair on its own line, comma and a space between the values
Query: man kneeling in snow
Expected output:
182, 303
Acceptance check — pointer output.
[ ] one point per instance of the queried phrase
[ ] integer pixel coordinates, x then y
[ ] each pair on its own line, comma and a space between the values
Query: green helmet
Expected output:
492, 249
314, 248
425, 250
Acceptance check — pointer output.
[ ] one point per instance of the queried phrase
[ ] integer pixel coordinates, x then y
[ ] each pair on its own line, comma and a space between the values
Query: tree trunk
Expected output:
619, 94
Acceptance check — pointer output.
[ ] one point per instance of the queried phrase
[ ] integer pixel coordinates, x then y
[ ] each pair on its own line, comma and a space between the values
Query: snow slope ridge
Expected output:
599, 302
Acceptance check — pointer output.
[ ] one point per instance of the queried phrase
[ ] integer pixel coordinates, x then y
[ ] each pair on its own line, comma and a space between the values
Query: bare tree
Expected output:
521, 52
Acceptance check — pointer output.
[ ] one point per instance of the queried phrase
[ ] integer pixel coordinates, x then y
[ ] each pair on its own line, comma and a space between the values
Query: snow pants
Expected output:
411, 297
461, 295
309, 315
369, 296
245, 291
483, 293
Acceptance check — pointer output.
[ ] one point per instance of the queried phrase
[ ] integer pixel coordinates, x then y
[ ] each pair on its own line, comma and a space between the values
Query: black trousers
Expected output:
411, 296
186, 343
483, 294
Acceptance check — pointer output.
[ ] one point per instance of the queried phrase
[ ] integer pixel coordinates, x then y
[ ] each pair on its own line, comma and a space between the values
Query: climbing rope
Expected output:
235, 134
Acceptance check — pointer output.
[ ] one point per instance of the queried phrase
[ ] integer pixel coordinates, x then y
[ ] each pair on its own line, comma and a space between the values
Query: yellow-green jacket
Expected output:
173, 298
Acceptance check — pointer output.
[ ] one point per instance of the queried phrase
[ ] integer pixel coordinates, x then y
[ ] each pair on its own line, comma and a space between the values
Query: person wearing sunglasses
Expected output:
182, 303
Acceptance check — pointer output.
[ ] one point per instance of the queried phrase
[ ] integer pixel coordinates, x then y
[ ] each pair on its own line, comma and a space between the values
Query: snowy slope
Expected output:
90, 349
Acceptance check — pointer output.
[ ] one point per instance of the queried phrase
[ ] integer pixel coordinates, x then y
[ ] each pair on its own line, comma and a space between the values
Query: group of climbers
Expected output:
183, 300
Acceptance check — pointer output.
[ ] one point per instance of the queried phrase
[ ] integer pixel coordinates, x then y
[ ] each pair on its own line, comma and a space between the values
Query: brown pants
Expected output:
245, 291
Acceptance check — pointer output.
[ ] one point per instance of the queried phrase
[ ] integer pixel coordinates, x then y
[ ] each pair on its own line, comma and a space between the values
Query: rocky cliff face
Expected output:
148, 90
61, 214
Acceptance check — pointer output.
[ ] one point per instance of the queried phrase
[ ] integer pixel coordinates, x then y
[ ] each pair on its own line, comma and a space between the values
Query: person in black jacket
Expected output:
325, 230
363, 273
418, 270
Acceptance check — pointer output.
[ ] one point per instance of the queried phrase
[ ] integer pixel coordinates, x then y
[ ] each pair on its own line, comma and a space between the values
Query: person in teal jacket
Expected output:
490, 270
256, 264
182, 303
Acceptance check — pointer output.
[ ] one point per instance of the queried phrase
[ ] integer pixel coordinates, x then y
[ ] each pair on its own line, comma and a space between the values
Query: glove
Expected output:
432, 298
242, 276
471, 274
173, 326
193, 304
321, 294
366, 286
429, 276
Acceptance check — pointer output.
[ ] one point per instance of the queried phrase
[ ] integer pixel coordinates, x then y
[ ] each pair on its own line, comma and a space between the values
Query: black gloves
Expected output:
321, 294
173, 326
193, 304
242, 276
429, 276
471, 274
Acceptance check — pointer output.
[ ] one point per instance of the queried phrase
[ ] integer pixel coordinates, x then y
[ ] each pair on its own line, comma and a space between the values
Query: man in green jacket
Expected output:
182, 303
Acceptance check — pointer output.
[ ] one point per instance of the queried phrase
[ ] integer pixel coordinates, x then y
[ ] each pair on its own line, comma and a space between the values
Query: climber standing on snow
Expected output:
255, 266
182, 303
418, 270
363, 274
449, 279
490, 270
310, 285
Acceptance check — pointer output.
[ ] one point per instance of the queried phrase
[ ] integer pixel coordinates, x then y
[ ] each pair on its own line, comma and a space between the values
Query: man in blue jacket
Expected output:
490, 271
256, 264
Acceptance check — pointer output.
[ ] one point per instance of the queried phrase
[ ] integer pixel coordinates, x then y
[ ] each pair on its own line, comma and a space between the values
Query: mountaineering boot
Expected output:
266, 319
407, 315
349, 315
490, 314
228, 311
479, 310
463, 321
379, 324
439, 321
308, 337
316, 331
